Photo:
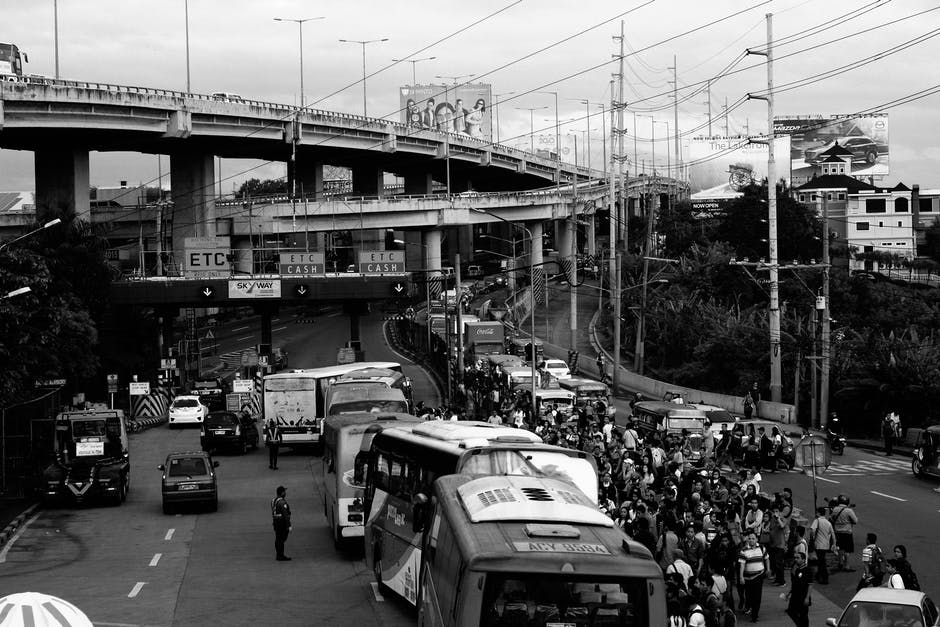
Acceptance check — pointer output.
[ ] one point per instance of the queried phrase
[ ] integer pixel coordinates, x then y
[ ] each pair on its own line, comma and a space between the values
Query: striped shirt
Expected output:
753, 561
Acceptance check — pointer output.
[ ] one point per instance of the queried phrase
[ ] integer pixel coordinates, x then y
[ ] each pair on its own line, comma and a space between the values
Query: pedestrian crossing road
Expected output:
870, 466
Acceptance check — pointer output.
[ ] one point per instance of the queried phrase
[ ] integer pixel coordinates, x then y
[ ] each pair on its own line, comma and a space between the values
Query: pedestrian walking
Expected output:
843, 522
272, 439
752, 566
873, 564
280, 514
602, 368
751, 401
799, 597
887, 432
822, 537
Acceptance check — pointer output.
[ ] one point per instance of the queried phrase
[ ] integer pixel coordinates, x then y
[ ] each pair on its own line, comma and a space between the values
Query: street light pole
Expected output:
47, 225
531, 110
496, 109
186, 8
300, 28
413, 62
363, 43
55, 10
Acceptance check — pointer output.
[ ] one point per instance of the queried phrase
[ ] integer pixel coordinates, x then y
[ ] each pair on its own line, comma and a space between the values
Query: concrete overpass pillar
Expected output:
538, 276
309, 178
419, 184
413, 252
243, 258
591, 236
62, 184
192, 187
563, 243
367, 180
432, 259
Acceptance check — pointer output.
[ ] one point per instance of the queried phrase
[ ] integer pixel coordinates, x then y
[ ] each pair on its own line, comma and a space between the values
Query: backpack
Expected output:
909, 579
876, 565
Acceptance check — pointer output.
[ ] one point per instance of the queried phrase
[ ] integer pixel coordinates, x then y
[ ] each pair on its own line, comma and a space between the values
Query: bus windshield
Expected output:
541, 463
371, 406
539, 599
293, 384
692, 424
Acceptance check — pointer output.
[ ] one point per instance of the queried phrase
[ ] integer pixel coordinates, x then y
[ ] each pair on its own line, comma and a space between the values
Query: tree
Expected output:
931, 247
267, 187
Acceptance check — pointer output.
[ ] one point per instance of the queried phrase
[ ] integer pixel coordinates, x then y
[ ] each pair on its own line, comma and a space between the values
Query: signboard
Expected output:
112, 384
234, 402
139, 388
302, 263
49, 383
721, 167
865, 136
382, 262
206, 254
240, 386
86, 448
462, 109
249, 357
168, 364
561, 547
268, 288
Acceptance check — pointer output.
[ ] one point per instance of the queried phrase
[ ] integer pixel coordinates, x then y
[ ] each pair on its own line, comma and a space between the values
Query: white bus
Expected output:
530, 551
295, 400
350, 399
342, 485
404, 462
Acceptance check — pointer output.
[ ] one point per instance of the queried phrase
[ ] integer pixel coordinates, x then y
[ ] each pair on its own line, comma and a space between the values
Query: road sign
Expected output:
381, 261
112, 384
207, 291
262, 360
269, 288
400, 288
250, 357
139, 388
301, 289
168, 364
209, 335
206, 254
50, 383
242, 385
302, 263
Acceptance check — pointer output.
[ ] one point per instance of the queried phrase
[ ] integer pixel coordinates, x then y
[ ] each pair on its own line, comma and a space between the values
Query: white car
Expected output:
556, 368
717, 416
187, 410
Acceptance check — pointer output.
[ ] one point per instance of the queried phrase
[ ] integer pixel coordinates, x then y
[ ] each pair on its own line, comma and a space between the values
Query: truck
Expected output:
91, 458
11, 62
483, 338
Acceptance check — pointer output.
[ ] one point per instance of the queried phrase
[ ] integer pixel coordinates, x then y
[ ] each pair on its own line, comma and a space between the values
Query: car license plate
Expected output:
188, 486
219, 432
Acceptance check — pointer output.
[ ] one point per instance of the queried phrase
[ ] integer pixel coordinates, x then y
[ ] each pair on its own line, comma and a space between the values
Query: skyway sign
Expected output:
382, 261
269, 288
302, 263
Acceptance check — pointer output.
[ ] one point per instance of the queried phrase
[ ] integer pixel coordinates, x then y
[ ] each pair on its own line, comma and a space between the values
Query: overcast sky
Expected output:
561, 45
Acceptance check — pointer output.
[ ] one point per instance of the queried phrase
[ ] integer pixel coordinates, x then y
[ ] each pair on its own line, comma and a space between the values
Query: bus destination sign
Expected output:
561, 547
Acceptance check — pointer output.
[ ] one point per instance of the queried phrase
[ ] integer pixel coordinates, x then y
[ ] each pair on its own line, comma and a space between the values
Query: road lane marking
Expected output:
240, 328
278, 329
16, 536
826, 480
169, 534
156, 559
136, 589
375, 591
247, 337
888, 496
334, 315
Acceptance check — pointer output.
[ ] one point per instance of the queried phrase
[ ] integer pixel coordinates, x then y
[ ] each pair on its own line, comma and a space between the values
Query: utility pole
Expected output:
615, 291
727, 131
774, 312
824, 335
613, 230
624, 205
459, 319
708, 103
639, 352
675, 114
573, 274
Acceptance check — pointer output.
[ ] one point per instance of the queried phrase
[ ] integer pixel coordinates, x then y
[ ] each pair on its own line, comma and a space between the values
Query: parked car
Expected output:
555, 367
189, 478
888, 607
924, 462
186, 410
228, 430
787, 455
863, 149
717, 416
226, 95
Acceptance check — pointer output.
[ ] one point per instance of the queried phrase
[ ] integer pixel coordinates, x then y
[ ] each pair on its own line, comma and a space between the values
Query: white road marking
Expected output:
888, 496
375, 591
334, 315
16, 536
278, 329
826, 480
155, 559
240, 328
275, 319
136, 589
169, 534
247, 337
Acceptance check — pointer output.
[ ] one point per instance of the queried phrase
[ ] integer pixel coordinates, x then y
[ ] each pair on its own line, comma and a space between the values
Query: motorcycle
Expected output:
835, 437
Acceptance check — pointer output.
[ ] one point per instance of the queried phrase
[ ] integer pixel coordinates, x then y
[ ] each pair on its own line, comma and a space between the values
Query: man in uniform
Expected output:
272, 439
280, 513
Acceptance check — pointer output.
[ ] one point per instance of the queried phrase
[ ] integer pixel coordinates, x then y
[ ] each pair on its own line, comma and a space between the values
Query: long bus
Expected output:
11, 62
349, 399
342, 487
377, 377
295, 400
505, 550
404, 462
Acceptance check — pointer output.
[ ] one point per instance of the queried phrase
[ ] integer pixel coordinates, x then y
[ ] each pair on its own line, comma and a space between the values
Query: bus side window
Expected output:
396, 477
380, 478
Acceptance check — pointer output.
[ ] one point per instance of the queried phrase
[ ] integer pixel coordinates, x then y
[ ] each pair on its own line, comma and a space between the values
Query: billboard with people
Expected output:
463, 109
865, 136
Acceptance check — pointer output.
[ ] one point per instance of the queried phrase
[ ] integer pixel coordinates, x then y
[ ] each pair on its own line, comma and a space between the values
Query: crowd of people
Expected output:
717, 535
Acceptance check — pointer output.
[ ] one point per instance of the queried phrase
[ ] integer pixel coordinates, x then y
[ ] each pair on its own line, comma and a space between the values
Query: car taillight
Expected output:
238, 431
202, 432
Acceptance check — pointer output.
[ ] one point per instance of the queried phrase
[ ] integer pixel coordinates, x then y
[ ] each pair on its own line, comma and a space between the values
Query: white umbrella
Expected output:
40, 610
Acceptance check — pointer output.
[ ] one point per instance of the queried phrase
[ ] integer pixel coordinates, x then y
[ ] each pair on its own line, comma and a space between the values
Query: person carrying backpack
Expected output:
873, 564
904, 568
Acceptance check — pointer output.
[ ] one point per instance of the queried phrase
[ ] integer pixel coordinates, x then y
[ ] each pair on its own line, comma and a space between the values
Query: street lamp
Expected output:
300, 29
587, 106
496, 109
363, 43
47, 225
557, 136
18, 291
413, 62
531, 125
531, 295
652, 139
186, 8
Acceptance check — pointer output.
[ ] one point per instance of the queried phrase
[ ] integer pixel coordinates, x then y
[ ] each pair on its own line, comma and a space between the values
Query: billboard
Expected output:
865, 136
720, 167
463, 109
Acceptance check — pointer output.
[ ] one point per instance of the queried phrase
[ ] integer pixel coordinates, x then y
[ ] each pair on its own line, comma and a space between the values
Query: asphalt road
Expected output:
132, 565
